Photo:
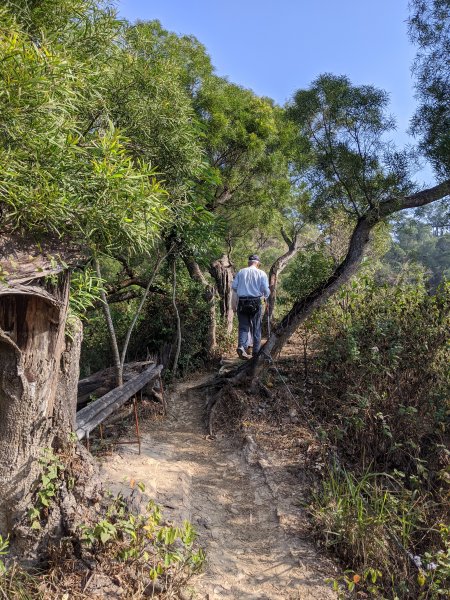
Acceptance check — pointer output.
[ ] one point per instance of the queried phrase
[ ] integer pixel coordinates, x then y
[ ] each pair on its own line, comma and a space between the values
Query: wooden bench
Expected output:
96, 412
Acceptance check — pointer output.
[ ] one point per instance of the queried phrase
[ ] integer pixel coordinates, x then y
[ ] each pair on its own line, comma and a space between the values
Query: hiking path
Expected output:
229, 501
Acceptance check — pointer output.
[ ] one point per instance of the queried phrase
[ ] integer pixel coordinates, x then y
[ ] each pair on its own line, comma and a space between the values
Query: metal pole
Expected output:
164, 403
137, 422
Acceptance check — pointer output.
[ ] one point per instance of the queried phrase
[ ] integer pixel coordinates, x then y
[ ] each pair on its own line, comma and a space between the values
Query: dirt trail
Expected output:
249, 556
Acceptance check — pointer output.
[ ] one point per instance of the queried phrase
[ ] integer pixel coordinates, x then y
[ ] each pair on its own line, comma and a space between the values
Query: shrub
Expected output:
380, 382
148, 556
382, 378
159, 556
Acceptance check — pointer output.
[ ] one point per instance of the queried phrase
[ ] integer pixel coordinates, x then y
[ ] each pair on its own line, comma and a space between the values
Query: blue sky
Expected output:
276, 47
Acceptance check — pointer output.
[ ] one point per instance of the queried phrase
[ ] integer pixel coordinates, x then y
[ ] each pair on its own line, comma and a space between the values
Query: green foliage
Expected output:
380, 382
350, 582
59, 177
417, 250
86, 26
49, 483
114, 136
85, 288
345, 126
371, 337
248, 143
157, 552
429, 27
434, 573
4, 545
372, 524
308, 269
19, 584
360, 516
148, 97
154, 557
155, 328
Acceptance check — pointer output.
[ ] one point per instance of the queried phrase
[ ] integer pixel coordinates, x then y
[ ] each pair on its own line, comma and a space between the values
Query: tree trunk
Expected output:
223, 272
303, 308
135, 318
277, 268
36, 399
209, 296
111, 330
69, 374
177, 316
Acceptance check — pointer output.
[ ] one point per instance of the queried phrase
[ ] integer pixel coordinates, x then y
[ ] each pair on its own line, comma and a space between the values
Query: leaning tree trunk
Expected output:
303, 308
209, 296
37, 399
223, 272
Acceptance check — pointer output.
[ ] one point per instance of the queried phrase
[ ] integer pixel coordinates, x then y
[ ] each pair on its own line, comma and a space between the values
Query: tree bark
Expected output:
222, 271
69, 373
278, 267
35, 400
209, 296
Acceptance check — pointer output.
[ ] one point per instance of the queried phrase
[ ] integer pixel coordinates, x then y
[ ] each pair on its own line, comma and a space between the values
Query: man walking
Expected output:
250, 284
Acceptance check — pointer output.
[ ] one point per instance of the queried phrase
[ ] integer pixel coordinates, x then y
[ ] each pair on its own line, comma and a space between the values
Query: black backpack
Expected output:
249, 306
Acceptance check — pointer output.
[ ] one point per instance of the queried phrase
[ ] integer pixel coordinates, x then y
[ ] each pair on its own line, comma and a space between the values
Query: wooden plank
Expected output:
102, 382
126, 390
88, 418
115, 402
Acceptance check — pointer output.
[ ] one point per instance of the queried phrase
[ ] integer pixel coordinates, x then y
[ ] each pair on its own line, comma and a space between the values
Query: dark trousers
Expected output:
252, 324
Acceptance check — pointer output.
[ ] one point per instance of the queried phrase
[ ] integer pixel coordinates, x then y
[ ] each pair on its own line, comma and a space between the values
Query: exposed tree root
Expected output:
224, 395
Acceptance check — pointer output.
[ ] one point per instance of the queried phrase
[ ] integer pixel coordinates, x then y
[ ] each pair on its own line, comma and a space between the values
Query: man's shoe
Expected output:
243, 354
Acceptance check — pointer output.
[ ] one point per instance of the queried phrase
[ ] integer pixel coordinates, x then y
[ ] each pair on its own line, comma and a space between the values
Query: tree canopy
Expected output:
62, 176
429, 28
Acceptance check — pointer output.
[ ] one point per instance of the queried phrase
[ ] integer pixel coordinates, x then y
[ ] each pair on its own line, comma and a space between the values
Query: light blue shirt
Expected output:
251, 281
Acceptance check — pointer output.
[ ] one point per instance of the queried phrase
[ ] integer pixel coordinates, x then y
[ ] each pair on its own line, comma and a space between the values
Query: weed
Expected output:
4, 545
150, 557
350, 582
157, 552
371, 523
380, 381
19, 584
48, 486
434, 570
